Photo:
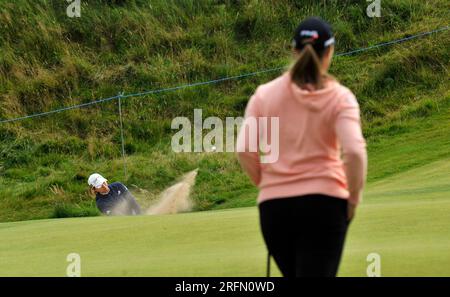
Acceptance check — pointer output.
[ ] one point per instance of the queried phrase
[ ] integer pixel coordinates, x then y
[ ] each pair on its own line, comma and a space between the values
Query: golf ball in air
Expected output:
213, 148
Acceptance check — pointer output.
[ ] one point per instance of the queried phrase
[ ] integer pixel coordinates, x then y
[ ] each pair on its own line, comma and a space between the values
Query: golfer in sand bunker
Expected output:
114, 198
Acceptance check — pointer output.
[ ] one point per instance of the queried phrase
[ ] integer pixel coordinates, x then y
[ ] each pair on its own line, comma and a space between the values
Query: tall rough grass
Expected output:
48, 60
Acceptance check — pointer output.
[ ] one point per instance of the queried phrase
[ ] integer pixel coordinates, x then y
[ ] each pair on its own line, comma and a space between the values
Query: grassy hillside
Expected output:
48, 60
404, 219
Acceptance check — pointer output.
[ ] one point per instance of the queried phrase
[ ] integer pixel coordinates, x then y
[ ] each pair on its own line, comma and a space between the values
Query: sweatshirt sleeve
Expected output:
353, 144
248, 156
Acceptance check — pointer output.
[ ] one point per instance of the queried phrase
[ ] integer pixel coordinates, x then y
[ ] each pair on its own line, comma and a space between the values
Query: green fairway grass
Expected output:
49, 61
403, 218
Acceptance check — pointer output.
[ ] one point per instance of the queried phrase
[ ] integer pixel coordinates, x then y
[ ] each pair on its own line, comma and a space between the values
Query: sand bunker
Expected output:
176, 198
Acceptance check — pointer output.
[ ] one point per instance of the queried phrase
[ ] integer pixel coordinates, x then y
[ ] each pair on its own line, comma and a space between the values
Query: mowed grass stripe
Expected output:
408, 229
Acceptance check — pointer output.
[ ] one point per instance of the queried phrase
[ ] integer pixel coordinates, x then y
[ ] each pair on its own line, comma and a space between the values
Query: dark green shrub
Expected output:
63, 210
69, 145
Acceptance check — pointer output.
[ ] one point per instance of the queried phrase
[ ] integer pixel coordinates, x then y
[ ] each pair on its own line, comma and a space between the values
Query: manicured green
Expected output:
403, 218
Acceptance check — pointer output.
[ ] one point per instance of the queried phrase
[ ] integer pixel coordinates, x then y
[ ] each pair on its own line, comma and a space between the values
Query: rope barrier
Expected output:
215, 80
120, 96
57, 110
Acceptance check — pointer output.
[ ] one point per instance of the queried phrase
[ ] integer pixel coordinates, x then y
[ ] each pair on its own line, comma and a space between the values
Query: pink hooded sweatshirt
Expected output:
313, 128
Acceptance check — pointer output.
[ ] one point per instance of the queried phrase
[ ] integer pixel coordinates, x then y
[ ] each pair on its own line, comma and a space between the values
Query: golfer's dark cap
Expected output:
314, 31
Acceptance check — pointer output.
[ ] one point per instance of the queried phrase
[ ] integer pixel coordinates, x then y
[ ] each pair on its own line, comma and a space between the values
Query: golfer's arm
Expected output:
136, 206
348, 130
133, 203
251, 165
249, 157
103, 209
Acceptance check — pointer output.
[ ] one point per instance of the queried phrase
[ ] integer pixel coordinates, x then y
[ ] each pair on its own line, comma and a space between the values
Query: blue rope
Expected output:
58, 110
394, 41
203, 83
120, 96
216, 80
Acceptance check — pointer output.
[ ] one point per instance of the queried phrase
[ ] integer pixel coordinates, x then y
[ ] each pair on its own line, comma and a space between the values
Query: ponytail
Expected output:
308, 68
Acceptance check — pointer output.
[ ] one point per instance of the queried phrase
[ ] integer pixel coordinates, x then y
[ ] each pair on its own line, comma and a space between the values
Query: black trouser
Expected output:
305, 234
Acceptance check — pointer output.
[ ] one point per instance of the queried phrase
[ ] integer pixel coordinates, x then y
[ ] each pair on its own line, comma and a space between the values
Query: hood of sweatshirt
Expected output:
313, 100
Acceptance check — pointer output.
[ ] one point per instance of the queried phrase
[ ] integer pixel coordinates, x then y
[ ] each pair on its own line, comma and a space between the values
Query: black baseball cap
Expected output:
314, 31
